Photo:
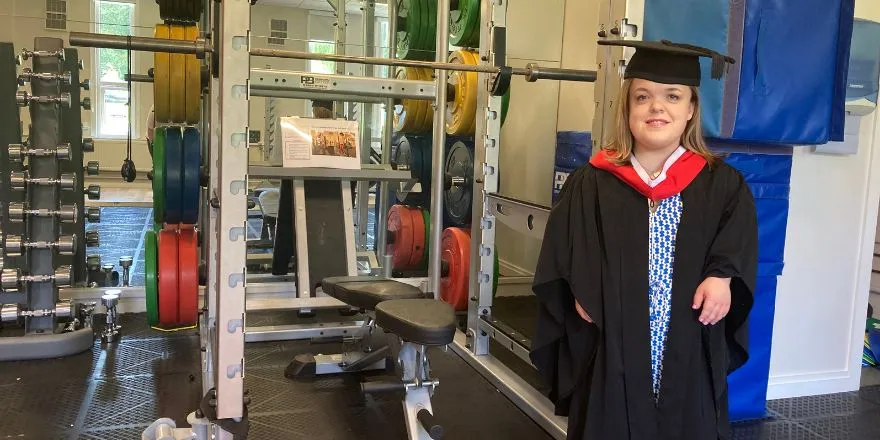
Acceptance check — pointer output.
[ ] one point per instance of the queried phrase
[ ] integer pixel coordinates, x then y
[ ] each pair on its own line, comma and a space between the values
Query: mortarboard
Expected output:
669, 63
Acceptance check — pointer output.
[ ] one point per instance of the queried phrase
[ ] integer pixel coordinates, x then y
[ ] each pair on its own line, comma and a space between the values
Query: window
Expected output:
325, 47
114, 17
56, 14
277, 32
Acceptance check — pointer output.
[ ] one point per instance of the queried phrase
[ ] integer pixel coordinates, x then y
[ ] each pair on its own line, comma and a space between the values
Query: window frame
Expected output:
100, 87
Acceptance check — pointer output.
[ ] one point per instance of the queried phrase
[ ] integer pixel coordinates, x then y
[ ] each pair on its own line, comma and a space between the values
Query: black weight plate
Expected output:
457, 198
408, 153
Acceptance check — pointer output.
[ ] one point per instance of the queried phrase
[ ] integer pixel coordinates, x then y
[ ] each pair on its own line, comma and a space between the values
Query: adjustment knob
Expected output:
93, 192
86, 84
92, 239
93, 168
86, 103
94, 215
88, 145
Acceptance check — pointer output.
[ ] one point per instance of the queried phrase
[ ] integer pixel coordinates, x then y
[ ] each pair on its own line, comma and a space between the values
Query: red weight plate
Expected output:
188, 277
168, 296
455, 255
400, 234
418, 246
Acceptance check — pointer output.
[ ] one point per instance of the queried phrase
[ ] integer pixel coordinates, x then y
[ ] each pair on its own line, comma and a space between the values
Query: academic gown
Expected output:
595, 250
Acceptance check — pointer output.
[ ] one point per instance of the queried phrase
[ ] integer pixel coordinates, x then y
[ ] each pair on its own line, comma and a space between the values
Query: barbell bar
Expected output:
532, 72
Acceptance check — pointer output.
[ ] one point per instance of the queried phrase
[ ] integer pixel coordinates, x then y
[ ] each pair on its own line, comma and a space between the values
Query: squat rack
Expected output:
223, 326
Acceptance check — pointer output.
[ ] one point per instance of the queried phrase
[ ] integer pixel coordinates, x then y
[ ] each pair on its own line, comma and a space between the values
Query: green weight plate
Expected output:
505, 103
150, 280
159, 175
409, 26
429, 36
461, 23
473, 40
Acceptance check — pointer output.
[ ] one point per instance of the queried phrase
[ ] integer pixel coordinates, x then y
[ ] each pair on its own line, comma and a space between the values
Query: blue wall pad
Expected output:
573, 150
768, 176
788, 85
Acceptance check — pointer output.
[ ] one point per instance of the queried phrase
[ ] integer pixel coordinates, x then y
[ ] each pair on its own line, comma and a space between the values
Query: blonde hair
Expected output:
620, 148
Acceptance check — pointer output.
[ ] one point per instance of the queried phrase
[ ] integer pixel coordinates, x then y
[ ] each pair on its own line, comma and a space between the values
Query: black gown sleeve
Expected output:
561, 339
734, 254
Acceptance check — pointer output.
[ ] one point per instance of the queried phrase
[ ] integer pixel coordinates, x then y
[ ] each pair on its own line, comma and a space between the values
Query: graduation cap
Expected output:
669, 63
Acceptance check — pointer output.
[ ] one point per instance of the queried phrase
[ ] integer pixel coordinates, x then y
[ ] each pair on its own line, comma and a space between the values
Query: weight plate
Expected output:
429, 36
409, 29
192, 158
409, 152
456, 253
162, 78
400, 233
159, 175
457, 196
461, 111
193, 78
418, 246
188, 277
461, 24
426, 216
403, 115
473, 39
474, 60
150, 278
173, 174
177, 96
168, 279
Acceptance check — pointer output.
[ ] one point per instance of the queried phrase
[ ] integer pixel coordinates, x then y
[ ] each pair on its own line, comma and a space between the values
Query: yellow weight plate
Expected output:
461, 112
161, 79
177, 99
427, 113
193, 81
475, 60
402, 116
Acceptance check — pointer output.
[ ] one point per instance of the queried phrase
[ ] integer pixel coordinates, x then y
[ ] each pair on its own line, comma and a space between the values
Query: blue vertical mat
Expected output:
768, 176
573, 150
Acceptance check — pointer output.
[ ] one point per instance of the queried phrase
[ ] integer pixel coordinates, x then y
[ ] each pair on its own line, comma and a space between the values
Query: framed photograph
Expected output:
320, 143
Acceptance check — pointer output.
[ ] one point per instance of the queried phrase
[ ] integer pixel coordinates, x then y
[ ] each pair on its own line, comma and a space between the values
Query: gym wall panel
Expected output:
534, 29
576, 102
868, 9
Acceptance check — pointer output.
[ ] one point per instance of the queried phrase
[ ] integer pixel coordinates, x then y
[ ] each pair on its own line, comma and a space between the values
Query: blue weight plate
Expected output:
192, 158
173, 175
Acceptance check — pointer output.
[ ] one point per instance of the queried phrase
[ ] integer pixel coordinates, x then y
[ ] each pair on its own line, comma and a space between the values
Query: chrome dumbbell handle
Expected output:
17, 152
18, 212
62, 277
24, 99
26, 54
19, 180
65, 245
28, 75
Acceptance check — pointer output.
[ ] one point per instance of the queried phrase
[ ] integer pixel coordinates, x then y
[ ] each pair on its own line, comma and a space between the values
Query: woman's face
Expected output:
658, 113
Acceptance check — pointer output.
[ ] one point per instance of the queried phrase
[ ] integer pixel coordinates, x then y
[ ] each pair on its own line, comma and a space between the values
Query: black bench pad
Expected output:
366, 292
421, 321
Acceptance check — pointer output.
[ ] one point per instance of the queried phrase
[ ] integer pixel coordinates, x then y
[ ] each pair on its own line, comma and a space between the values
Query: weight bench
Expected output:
418, 321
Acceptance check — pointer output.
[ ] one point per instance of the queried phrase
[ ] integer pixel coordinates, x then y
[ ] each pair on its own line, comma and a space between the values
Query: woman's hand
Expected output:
713, 295
582, 312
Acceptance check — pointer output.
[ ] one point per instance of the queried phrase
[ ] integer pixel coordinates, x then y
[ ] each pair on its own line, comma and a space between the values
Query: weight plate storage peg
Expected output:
150, 278
458, 184
173, 175
461, 108
168, 278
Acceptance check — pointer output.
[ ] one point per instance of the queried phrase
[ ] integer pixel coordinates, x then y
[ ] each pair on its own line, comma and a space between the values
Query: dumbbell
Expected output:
125, 262
23, 99
28, 75
17, 152
19, 180
14, 312
11, 280
93, 262
25, 54
86, 103
15, 245
85, 84
93, 168
17, 212
92, 238
88, 145
93, 192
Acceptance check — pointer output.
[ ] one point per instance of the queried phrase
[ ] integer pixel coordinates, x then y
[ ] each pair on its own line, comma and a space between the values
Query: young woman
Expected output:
647, 268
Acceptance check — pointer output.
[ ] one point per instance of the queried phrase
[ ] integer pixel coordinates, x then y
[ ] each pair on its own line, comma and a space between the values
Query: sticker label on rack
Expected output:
311, 82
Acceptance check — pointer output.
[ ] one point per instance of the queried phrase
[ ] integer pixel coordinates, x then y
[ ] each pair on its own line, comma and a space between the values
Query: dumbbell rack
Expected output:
35, 233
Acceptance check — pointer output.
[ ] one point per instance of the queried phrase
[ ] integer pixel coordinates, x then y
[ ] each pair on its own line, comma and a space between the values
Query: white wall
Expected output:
823, 292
